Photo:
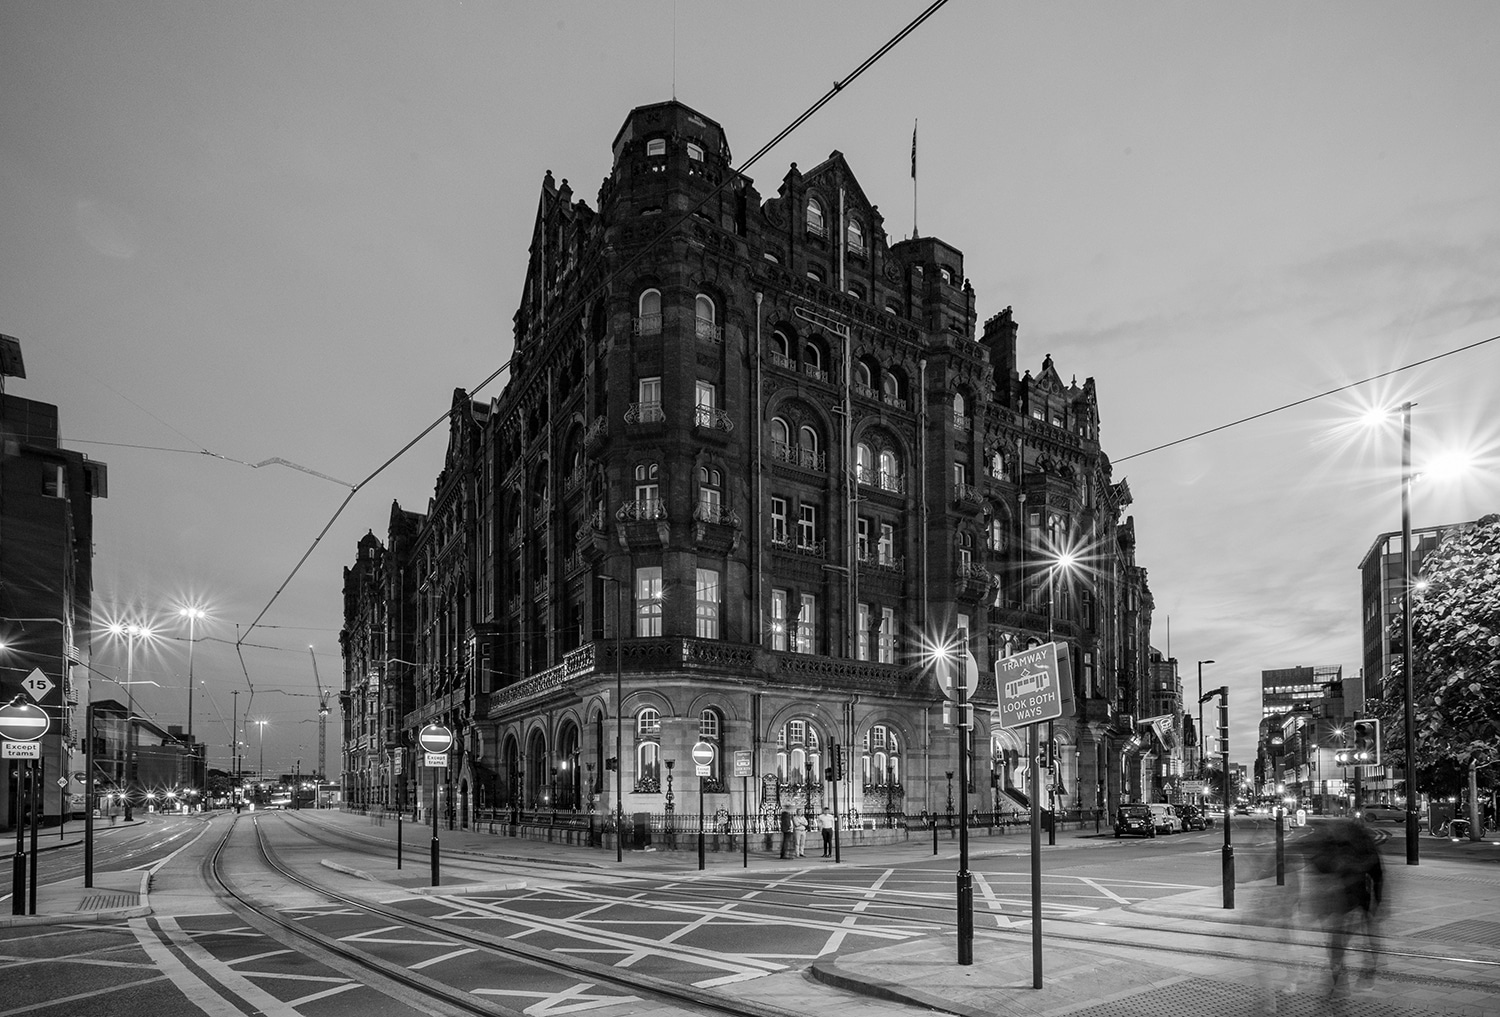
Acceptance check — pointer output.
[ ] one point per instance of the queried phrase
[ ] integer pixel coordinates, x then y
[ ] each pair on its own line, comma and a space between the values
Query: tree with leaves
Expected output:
1456, 660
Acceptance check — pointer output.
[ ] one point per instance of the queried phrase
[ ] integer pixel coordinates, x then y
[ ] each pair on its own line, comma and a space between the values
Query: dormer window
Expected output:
695, 152
656, 148
947, 275
855, 237
816, 226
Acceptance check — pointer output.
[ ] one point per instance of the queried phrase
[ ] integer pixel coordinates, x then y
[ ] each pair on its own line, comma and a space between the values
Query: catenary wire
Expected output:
838, 86
1306, 399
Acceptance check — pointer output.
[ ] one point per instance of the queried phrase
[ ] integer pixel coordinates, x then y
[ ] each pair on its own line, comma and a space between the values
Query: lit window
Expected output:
656, 147
807, 526
778, 521
864, 464
807, 624
886, 548
887, 635
778, 620
649, 320
708, 604
648, 591
695, 152
708, 726
705, 397
710, 494
648, 723
647, 491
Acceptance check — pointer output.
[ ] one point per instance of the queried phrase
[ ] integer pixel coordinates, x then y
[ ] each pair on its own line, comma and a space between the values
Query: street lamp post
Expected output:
131, 632
1200, 718
260, 772
1406, 648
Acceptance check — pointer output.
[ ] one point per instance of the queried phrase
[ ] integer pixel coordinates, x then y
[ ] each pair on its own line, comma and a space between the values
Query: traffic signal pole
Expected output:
1227, 861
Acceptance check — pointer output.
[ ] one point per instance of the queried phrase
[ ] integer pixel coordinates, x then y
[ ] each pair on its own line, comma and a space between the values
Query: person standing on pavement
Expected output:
787, 841
799, 828
825, 827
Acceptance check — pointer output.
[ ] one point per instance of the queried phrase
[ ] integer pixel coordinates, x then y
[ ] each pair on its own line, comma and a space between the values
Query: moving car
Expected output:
1382, 814
1135, 819
1193, 818
1164, 818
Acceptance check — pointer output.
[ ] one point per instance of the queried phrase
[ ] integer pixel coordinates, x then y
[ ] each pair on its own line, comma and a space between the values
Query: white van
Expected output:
1165, 818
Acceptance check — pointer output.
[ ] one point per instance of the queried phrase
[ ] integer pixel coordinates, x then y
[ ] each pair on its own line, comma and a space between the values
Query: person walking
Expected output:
787, 837
799, 827
825, 827
1348, 883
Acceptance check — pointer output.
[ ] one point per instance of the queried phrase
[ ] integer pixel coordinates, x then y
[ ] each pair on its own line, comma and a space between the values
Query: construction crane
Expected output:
322, 719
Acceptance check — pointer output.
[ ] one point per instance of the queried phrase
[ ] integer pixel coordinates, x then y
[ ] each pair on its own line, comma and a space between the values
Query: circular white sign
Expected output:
703, 753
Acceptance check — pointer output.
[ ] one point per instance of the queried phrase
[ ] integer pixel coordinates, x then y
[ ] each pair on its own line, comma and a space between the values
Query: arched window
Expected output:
648, 321
656, 148
812, 357
890, 471
960, 405
855, 234
648, 723
711, 730
864, 464
647, 491
704, 324
807, 440
648, 767
781, 439
882, 761
863, 377
695, 152
890, 387
781, 348
710, 494
798, 753
815, 223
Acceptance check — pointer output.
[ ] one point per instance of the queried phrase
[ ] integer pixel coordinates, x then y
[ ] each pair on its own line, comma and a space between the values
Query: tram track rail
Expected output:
1229, 942
692, 999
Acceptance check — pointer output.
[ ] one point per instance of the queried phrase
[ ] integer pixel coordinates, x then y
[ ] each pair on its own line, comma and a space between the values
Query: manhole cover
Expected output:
108, 901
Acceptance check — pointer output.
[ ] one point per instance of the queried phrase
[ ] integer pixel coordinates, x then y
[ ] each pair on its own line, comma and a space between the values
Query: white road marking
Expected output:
439, 959
570, 1000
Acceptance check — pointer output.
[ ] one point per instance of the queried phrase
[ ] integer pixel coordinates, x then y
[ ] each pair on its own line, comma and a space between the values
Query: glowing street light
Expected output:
131, 631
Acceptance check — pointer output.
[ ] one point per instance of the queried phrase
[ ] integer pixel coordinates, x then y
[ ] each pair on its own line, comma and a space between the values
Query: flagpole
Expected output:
914, 179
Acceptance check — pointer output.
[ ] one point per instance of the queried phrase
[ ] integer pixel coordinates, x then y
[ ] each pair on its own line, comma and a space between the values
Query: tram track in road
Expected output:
455, 940
770, 896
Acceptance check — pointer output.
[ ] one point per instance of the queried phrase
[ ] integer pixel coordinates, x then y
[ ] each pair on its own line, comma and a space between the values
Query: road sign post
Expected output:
435, 740
1030, 690
744, 765
703, 760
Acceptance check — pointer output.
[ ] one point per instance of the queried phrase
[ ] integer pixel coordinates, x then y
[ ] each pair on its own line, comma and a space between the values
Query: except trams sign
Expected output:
1029, 686
435, 740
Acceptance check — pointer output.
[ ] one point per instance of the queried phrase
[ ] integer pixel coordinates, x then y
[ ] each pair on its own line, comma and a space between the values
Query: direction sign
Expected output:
22, 722
949, 677
1028, 687
435, 738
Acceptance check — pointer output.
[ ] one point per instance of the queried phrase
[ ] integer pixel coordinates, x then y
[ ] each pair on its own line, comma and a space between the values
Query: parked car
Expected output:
1382, 814
1193, 818
1135, 819
1164, 818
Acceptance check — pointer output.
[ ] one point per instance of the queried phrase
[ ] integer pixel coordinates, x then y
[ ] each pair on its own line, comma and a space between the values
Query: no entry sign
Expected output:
22, 722
435, 738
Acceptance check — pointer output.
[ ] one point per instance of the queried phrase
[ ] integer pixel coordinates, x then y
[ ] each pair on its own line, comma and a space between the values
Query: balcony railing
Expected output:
712, 419
967, 493
806, 458
866, 392
894, 400
882, 479
970, 571
574, 481
710, 512
707, 331
645, 413
883, 562
817, 230
815, 373
647, 324
962, 421
782, 360
644, 510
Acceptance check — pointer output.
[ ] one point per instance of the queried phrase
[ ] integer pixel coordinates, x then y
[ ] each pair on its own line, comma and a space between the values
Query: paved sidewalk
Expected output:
1440, 935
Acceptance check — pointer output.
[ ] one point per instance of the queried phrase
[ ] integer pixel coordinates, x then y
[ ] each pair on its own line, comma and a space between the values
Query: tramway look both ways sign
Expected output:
1033, 685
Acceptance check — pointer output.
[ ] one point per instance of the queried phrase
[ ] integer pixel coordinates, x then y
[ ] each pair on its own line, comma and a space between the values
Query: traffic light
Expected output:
612, 763
1342, 757
1367, 743
828, 774
838, 762
1222, 748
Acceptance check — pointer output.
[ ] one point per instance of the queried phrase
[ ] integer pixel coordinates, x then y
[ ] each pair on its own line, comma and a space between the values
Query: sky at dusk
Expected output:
235, 233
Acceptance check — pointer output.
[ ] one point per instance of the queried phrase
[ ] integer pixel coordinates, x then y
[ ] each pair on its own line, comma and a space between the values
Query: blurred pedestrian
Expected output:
787, 836
1345, 882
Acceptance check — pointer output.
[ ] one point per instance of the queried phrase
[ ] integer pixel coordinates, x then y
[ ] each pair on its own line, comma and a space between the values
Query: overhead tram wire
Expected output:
571, 313
1306, 399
